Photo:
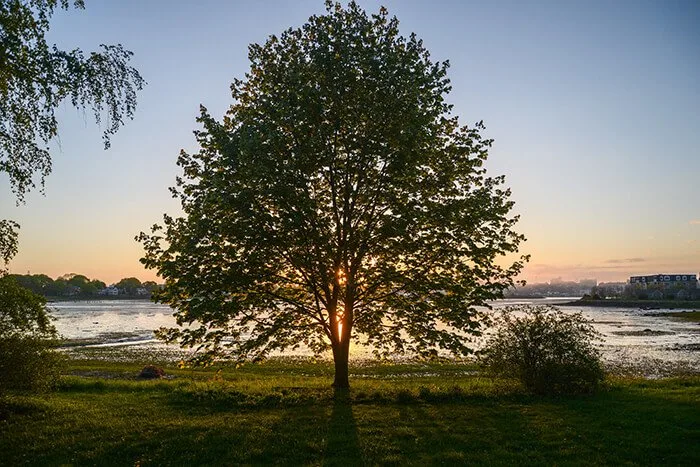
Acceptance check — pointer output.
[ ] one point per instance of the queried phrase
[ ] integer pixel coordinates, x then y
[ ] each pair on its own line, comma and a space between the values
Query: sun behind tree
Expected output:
339, 201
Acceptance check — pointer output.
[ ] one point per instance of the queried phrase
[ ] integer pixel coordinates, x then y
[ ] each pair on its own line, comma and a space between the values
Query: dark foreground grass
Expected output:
285, 413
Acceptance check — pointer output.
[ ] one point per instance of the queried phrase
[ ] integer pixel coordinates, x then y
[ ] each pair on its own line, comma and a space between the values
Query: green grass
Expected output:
693, 316
285, 412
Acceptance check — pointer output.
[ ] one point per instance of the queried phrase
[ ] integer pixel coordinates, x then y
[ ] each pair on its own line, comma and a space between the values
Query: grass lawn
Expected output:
285, 412
693, 316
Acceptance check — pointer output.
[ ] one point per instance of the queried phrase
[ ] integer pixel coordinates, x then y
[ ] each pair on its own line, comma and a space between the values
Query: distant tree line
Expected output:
556, 289
653, 291
609, 290
80, 286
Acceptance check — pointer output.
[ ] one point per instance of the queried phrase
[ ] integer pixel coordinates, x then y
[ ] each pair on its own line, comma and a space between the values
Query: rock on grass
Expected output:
151, 372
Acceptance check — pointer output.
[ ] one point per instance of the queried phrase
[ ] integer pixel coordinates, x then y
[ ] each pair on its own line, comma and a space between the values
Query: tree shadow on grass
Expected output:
343, 447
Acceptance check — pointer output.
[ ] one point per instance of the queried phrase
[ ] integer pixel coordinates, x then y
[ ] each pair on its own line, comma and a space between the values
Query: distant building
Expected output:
668, 286
665, 280
111, 291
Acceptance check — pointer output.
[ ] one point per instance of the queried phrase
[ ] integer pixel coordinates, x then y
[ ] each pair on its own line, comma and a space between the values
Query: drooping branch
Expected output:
36, 78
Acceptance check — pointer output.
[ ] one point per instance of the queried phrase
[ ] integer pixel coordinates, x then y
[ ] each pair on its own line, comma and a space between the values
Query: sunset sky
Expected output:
594, 108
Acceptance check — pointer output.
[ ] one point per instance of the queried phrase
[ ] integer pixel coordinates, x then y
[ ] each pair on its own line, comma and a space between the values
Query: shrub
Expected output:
548, 350
27, 361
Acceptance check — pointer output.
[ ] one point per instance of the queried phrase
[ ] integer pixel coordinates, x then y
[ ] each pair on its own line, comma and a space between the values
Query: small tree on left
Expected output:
35, 78
27, 360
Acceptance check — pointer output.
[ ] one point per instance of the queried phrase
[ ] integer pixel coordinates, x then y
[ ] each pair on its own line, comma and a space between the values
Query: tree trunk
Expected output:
341, 352
341, 347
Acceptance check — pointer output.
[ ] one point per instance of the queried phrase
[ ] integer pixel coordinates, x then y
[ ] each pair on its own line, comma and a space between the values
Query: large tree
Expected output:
339, 200
35, 78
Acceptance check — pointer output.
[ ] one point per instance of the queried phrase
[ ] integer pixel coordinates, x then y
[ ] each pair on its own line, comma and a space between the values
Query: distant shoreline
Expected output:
524, 297
643, 304
54, 299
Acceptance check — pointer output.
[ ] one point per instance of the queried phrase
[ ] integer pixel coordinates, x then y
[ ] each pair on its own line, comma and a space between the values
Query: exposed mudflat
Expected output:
633, 340
644, 332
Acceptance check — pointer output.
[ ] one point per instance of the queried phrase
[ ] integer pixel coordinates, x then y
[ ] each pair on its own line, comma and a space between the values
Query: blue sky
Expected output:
594, 108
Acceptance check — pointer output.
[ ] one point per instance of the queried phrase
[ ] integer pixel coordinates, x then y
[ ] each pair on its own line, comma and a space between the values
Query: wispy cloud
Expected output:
625, 261
694, 222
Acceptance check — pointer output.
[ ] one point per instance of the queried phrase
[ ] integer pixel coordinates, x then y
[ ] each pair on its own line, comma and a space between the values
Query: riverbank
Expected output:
692, 316
642, 304
284, 412
121, 330
93, 298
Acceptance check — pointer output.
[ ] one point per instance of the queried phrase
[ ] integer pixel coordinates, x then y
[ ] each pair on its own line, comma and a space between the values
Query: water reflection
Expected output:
629, 334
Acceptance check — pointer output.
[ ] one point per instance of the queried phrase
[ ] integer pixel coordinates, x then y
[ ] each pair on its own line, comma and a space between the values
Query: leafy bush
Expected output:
22, 311
27, 361
548, 350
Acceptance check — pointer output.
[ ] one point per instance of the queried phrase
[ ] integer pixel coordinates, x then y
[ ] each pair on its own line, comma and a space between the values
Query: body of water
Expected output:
632, 338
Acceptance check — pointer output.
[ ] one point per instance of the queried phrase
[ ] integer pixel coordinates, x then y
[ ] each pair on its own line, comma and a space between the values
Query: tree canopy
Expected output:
78, 285
339, 200
35, 78
27, 360
8, 241
22, 312
129, 284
